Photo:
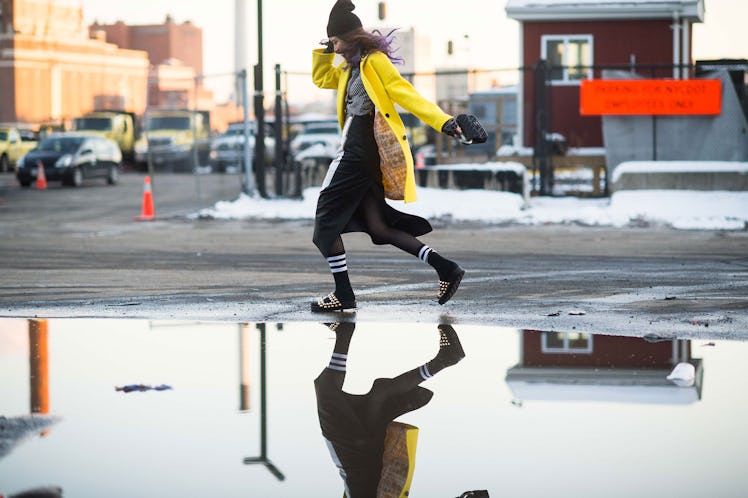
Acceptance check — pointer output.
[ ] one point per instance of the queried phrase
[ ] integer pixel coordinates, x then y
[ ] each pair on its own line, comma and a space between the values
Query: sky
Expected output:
291, 28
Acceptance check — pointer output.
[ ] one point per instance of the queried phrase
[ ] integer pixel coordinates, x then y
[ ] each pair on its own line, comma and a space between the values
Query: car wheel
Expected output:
74, 178
4, 164
113, 176
25, 183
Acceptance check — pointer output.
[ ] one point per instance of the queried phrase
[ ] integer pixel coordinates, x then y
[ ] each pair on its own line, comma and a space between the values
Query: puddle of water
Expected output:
524, 414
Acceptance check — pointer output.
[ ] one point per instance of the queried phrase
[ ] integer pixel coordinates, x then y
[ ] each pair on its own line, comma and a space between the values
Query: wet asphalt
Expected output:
67, 252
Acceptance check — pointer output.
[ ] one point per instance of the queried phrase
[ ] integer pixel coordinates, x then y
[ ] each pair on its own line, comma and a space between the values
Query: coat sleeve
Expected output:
324, 74
402, 93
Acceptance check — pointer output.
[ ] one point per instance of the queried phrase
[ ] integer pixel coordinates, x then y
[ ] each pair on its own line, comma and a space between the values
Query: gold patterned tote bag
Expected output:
391, 159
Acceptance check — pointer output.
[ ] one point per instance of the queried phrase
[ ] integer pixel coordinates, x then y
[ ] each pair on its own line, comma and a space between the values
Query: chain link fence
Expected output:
530, 120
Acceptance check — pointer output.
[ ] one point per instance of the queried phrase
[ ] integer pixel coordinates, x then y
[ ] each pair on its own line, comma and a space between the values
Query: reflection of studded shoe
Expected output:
331, 303
447, 288
345, 327
450, 349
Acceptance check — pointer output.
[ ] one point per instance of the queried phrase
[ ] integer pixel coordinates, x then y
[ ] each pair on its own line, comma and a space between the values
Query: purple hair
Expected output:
363, 42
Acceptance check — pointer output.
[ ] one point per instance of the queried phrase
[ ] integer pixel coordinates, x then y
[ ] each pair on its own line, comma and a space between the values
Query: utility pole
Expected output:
248, 170
259, 109
278, 155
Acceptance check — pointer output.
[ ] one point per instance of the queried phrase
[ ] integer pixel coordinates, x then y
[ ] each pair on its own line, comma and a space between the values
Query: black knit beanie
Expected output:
342, 19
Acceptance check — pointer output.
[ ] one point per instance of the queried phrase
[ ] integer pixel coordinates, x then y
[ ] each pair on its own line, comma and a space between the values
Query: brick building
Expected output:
175, 52
51, 70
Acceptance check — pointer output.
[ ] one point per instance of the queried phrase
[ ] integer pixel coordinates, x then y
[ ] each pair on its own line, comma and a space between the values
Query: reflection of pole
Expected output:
263, 459
263, 393
244, 367
39, 366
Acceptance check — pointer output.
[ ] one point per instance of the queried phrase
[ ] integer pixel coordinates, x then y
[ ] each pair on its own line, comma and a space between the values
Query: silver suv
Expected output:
325, 136
227, 150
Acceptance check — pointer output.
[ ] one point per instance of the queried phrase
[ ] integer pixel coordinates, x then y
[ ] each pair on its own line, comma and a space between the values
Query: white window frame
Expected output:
544, 39
565, 349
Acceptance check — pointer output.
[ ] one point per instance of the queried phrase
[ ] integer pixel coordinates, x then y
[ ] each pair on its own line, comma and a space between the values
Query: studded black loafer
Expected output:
331, 303
447, 288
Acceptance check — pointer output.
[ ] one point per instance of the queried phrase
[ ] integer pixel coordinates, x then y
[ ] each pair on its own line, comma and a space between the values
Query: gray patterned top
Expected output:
357, 101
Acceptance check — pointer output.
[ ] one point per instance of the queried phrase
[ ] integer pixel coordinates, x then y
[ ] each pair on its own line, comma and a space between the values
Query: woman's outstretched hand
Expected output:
451, 128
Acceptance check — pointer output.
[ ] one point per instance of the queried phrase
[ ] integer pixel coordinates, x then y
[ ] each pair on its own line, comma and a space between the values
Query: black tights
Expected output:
379, 231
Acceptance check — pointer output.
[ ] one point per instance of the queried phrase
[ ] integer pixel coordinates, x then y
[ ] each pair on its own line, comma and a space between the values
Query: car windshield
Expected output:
60, 144
232, 132
168, 123
3, 135
238, 128
98, 124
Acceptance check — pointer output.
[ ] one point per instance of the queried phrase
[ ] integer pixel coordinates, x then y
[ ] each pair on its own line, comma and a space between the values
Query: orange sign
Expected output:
650, 97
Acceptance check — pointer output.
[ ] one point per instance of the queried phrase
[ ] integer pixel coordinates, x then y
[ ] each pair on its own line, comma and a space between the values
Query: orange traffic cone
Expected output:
420, 161
41, 178
147, 213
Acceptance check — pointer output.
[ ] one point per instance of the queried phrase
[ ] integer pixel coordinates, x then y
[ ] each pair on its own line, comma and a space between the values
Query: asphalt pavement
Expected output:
78, 252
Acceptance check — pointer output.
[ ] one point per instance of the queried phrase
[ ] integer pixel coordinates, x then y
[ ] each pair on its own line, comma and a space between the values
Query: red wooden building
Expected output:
578, 39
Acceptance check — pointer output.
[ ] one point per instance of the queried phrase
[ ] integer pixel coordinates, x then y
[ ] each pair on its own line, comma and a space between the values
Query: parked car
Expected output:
227, 150
324, 134
14, 142
70, 158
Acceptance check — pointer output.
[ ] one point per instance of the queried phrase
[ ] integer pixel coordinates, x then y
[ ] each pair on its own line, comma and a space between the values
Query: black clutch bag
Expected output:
472, 130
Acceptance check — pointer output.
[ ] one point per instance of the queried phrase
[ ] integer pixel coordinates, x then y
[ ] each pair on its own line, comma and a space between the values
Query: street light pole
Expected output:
248, 170
259, 109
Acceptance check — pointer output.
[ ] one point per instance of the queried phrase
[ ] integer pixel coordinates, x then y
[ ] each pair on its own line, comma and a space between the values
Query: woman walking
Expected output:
352, 195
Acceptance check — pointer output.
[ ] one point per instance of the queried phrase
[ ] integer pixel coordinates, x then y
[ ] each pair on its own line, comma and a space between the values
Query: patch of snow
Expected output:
680, 209
678, 167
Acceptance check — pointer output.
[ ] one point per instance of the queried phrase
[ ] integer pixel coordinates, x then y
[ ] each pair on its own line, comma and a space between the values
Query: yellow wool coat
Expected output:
385, 87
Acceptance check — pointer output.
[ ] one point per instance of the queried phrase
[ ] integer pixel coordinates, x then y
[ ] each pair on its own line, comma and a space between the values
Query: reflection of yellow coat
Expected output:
385, 87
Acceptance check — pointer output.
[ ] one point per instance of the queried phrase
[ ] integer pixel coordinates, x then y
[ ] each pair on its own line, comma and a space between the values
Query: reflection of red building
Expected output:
571, 365
573, 35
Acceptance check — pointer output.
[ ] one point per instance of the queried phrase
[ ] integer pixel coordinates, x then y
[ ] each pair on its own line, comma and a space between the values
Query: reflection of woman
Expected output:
354, 426
352, 195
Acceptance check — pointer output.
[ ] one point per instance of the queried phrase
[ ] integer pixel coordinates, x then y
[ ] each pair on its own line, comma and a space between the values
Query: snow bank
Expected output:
680, 209
629, 167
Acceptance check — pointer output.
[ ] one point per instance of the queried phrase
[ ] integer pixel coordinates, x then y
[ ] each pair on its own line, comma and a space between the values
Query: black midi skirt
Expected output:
351, 176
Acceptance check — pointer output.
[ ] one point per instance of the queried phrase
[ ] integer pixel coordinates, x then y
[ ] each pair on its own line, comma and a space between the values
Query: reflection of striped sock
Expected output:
337, 263
423, 253
424, 371
337, 362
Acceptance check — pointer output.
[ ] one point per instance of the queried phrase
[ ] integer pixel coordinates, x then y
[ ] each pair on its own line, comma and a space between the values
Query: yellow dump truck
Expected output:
14, 143
173, 140
118, 126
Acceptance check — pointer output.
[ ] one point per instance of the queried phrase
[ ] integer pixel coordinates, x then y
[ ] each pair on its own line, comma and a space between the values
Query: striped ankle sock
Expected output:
338, 361
424, 371
339, 269
423, 253
442, 265
337, 263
